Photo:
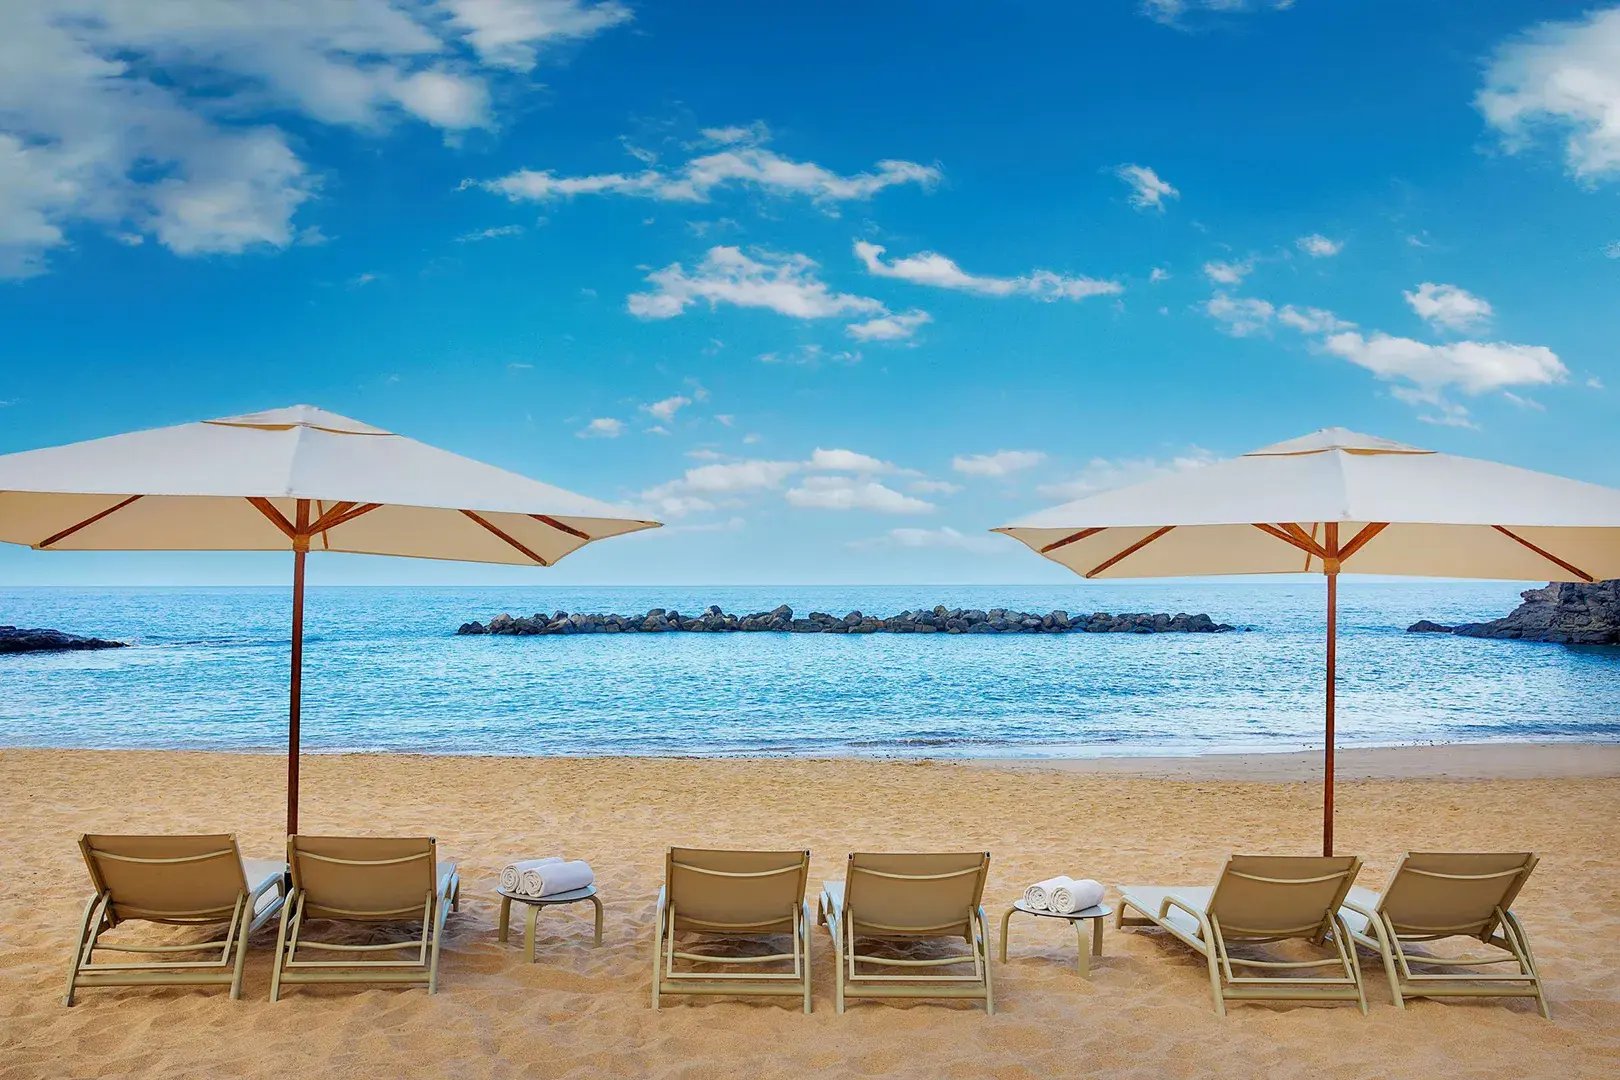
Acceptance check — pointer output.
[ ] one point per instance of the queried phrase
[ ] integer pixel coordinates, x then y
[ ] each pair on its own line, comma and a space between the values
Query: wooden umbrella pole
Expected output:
1330, 566
300, 541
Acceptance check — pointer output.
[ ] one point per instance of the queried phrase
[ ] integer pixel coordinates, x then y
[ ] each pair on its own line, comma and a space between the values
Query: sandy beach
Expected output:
581, 1011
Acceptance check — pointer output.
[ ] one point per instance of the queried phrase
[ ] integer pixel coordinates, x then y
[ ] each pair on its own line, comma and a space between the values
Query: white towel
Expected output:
1039, 895
557, 877
512, 872
1072, 896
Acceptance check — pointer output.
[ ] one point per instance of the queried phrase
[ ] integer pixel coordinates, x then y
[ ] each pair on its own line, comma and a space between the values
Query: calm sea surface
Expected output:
385, 671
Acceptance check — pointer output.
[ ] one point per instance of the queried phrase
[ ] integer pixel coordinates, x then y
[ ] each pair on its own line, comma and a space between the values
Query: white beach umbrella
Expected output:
1337, 501
297, 479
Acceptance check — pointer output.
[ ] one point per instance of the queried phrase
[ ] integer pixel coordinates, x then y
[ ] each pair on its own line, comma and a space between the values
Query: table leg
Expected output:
1085, 953
598, 902
506, 916
534, 913
1005, 919
1096, 937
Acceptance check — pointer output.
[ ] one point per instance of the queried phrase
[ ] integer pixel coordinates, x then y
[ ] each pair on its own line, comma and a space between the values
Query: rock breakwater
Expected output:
782, 620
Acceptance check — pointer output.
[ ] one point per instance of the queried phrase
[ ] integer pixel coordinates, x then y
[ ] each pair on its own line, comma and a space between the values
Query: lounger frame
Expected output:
1501, 929
784, 872
898, 977
1213, 937
440, 896
103, 911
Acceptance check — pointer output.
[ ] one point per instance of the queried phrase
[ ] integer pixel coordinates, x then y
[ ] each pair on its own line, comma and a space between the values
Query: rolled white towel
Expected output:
1039, 895
560, 877
512, 872
1073, 896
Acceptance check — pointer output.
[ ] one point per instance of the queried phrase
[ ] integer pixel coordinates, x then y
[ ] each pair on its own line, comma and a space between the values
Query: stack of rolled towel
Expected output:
1063, 895
539, 878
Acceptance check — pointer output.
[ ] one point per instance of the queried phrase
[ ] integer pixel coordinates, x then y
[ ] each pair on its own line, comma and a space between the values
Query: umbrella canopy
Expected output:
1337, 501
295, 479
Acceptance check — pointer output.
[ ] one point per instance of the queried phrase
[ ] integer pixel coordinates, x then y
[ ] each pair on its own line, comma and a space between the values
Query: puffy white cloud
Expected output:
1228, 273
854, 493
786, 284
1148, 191
603, 427
998, 463
667, 408
944, 537
1561, 77
157, 118
932, 268
894, 327
847, 461
1105, 474
1239, 316
1447, 307
1474, 367
508, 33
1312, 320
1158, 275
1318, 246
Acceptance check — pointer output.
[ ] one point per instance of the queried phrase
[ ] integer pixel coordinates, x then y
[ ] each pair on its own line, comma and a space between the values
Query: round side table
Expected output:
1096, 914
535, 903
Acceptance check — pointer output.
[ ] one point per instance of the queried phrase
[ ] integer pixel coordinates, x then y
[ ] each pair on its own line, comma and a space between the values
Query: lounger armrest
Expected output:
1359, 910
1176, 901
279, 883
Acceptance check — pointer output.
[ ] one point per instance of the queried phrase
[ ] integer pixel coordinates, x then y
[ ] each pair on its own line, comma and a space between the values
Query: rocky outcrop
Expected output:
1563, 612
16, 640
781, 620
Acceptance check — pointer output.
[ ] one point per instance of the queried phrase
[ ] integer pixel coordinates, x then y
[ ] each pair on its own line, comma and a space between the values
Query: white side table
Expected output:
1096, 914
535, 903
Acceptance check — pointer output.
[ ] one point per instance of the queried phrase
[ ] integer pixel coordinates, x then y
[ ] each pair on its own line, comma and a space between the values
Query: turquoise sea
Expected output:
385, 671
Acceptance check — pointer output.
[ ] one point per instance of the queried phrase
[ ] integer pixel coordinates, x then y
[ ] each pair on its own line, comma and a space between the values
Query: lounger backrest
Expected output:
915, 895
1433, 892
377, 878
737, 891
1280, 895
190, 879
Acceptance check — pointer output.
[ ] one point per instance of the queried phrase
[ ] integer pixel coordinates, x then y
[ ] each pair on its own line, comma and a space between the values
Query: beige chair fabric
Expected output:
177, 880
732, 895
1432, 896
906, 898
365, 879
1260, 899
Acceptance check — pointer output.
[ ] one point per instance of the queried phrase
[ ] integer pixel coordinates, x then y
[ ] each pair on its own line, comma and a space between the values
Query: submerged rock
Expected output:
781, 620
17, 640
1564, 613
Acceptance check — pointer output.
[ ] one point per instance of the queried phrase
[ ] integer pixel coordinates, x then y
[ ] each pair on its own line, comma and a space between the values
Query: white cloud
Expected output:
508, 33
999, 463
932, 268
1447, 307
742, 163
1612, 250
934, 487
667, 408
811, 355
897, 327
1564, 78
1105, 474
1312, 320
603, 427
1159, 274
847, 461
786, 284
1594, 383
852, 493
495, 233
158, 119
1148, 191
943, 538
1174, 12
1446, 413
361, 280
1228, 273
1524, 402
1318, 246
1239, 316
1473, 367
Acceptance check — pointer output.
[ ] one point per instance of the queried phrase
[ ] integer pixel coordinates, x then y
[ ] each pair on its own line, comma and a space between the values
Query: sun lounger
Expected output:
906, 899
1432, 896
735, 895
1259, 899
175, 880
367, 880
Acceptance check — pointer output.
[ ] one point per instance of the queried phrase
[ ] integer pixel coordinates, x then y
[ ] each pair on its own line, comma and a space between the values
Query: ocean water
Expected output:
384, 670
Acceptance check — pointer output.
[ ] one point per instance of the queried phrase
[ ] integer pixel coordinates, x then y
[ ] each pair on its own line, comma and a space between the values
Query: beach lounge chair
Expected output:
365, 879
175, 880
1260, 899
905, 899
1435, 895
733, 895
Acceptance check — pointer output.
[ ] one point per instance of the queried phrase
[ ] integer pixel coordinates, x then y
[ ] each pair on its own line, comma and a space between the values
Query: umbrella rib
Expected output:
1071, 538
1308, 546
510, 542
1359, 541
347, 516
1545, 554
1132, 550
546, 519
268, 509
91, 520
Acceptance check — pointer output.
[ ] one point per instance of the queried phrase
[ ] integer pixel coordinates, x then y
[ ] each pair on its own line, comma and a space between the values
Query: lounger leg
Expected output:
88, 929
1005, 919
441, 912
296, 900
1387, 944
658, 948
1347, 953
982, 947
802, 937
239, 932
1212, 946
846, 952
1526, 960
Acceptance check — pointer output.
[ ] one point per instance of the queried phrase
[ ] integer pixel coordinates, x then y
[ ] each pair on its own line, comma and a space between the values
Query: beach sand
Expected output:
581, 1011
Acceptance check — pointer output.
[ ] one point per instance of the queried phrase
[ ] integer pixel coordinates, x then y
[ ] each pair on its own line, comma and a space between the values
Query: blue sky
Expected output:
832, 289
